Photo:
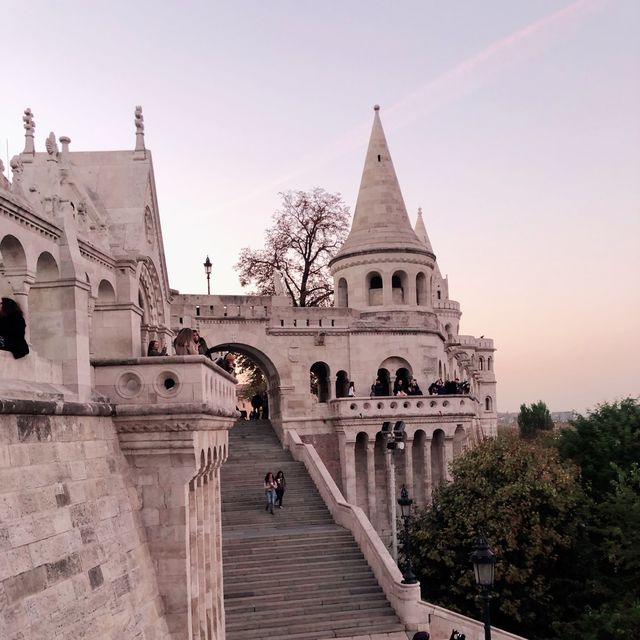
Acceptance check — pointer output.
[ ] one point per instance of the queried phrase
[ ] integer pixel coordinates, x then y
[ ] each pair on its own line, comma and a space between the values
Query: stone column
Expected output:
371, 483
175, 464
348, 467
387, 291
408, 465
448, 457
428, 481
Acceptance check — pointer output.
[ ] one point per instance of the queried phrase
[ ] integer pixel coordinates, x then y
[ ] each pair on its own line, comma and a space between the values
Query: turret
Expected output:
382, 263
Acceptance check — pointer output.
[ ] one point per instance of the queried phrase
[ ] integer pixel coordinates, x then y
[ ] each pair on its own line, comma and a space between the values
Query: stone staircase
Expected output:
294, 575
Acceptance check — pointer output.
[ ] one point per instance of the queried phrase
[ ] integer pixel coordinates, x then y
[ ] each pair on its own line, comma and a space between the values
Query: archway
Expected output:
396, 368
263, 362
385, 379
319, 381
438, 466
342, 384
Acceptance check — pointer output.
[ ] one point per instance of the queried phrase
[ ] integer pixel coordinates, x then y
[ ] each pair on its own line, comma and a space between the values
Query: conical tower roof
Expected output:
421, 231
380, 222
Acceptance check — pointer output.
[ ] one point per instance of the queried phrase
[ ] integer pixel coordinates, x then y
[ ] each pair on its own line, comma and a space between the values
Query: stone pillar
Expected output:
428, 481
387, 290
448, 457
371, 483
408, 465
175, 464
348, 467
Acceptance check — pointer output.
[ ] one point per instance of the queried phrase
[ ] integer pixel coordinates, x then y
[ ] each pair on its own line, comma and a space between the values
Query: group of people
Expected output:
449, 387
12, 329
400, 388
189, 342
259, 406
274, 488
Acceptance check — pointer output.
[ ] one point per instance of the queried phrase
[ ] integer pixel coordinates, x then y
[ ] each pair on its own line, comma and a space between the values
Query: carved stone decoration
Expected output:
51, 144
4, 183
148, 226
138, 120
17, 168
29, 128
279, 283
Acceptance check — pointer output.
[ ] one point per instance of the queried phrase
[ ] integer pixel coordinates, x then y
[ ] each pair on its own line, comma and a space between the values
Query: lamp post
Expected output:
207, 270
484, 564
405, 503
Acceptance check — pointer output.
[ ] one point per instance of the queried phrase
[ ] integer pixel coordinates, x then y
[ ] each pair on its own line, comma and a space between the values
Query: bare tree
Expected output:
306, 233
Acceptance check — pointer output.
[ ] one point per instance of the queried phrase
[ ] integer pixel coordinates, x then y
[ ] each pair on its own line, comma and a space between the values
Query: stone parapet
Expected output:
393, 408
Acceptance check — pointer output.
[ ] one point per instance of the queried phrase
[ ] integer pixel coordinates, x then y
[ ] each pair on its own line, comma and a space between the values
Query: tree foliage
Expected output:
533, 419
529, 504
306, 233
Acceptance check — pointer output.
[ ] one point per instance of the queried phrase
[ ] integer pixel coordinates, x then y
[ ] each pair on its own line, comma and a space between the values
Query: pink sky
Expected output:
513, 124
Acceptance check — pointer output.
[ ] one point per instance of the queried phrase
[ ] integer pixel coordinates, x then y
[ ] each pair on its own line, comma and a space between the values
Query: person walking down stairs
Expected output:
281, 486
270, 491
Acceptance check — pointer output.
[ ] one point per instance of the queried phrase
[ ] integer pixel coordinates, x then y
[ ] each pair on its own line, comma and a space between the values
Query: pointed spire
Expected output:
140, 151
380, 221
421, 231
29, 131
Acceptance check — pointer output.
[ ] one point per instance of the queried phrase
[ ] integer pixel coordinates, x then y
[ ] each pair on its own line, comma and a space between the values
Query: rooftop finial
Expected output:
420, 211
29, 128
51, 145
376, 107
139, 122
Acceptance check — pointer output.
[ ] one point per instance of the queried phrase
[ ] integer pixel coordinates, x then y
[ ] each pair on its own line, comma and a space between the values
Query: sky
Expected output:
514, 124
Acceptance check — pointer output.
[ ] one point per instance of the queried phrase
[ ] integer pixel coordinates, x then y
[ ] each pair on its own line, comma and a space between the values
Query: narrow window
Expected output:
378, 157
197, 310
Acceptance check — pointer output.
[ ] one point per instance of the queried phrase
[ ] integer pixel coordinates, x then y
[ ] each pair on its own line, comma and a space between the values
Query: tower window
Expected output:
378, 157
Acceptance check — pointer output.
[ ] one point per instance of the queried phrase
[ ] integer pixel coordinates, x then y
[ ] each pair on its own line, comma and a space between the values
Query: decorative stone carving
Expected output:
29, 128
279, 283
138, 120
4, 183
17, 168
51, 145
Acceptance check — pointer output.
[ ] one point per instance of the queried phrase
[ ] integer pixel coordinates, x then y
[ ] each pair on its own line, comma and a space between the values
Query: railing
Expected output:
172, 380
403, 406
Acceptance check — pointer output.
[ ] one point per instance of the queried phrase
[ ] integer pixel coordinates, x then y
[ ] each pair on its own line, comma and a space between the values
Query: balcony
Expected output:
403, 406
172, 383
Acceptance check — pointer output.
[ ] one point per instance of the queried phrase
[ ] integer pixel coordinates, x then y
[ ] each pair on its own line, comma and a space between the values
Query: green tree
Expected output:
606, 445
529, 504
533, 419
306, 233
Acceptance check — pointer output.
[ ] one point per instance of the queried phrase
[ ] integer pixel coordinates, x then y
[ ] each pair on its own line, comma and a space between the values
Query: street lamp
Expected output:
484, 564
405, 503
207, 270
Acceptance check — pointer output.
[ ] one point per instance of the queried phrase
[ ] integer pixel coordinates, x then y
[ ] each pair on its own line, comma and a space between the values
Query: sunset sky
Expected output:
514, 124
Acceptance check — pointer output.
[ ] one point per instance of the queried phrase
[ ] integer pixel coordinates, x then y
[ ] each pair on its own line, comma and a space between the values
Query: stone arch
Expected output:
46, 316
488, 403
418, 451
362, 481
106, 293
319, 376
266, 365
375, 288
448, 329
399, 282
342, 384
342, 293
12, 255
489, 363
437, 458
459, 441
421, 289
397, 367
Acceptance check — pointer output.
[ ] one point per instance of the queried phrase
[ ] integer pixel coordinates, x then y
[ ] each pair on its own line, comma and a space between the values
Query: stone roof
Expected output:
380, 222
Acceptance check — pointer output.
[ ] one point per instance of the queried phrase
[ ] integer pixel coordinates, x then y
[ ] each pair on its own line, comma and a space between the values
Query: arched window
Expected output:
342, 384
439, 294
399, 287
488, 403
343, 293
481, 363
385, 380
375, 288
106, 293
421, 289
489, 363
319, 381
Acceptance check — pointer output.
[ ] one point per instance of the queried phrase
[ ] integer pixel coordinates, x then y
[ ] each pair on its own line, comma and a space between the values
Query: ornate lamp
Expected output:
207, 269
405, 503
484, 564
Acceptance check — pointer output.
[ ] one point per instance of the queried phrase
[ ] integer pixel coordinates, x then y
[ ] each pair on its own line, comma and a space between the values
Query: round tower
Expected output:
383, 263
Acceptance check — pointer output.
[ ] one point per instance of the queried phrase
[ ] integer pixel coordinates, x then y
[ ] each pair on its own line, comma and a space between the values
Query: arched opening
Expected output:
481, 363
421, 289
439, 294
362, 481
399, 287
437, 458
13, 255
449, 332
106, 293
342, 384
319, 381
385, 381
401, 382
419, 470
440, 369
489, 364
375, 288
343, 293
262, 376
459, 441
47, 310
488, 404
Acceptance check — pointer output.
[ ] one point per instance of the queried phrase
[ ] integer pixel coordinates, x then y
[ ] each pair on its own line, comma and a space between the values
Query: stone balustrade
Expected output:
403, 406
169, 380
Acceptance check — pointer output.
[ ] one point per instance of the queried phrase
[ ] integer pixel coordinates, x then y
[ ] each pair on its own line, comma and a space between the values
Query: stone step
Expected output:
292, 569
263, 584
292, 559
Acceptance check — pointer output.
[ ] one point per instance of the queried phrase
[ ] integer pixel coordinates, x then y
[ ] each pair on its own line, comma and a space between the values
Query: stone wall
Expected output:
74, 562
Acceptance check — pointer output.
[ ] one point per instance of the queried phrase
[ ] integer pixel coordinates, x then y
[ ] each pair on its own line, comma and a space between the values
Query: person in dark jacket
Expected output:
12, 328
